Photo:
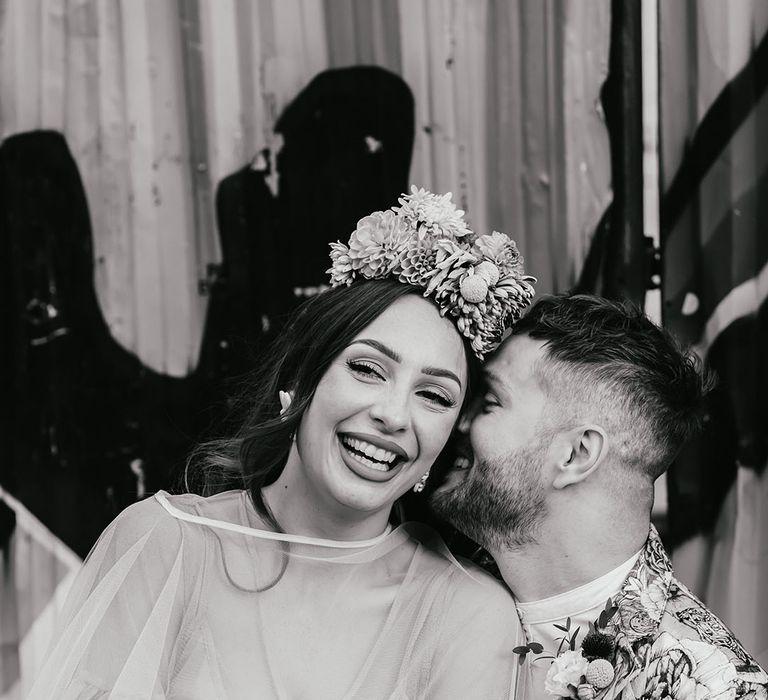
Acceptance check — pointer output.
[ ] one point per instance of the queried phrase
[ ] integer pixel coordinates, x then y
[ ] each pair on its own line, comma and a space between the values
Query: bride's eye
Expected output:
438, 398
365, 369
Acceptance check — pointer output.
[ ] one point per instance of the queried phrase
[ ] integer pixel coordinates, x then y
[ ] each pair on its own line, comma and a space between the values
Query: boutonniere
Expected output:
579, 671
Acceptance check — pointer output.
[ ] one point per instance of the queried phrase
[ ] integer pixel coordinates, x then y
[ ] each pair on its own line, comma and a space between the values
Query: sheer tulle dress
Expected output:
190, 597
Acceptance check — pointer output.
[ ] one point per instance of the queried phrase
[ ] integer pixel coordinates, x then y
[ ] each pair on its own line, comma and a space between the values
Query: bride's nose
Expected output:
391, 412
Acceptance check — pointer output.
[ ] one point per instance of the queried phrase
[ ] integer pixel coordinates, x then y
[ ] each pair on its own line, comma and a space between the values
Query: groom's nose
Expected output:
469, 414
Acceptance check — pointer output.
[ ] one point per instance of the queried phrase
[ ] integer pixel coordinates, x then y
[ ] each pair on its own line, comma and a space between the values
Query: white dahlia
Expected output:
499, 249
341, 265
432, 215
416, 263
376, 243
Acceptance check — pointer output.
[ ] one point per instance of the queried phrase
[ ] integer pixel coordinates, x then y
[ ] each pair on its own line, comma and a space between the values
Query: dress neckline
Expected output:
162, 498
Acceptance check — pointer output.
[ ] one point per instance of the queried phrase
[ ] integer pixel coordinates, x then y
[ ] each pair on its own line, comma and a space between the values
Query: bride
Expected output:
289, 580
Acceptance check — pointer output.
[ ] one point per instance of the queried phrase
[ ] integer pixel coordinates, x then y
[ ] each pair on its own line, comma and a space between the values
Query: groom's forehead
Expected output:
516, 360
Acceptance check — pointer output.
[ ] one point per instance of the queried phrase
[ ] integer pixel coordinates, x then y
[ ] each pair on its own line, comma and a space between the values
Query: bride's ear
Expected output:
581, 455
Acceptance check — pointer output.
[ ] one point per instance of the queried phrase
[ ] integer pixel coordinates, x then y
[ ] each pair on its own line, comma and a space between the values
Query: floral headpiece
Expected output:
425, 242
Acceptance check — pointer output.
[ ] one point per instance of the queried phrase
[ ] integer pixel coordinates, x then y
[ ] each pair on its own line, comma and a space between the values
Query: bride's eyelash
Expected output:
369, 369
439, 399
363, 367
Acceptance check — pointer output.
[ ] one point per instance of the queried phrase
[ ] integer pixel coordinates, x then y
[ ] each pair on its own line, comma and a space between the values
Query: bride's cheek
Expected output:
435, 435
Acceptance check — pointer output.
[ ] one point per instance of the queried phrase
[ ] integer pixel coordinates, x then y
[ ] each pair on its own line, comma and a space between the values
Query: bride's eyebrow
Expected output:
439, 372
395, 357
383, 349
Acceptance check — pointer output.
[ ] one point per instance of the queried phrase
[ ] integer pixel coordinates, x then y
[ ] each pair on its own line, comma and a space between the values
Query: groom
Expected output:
585, 405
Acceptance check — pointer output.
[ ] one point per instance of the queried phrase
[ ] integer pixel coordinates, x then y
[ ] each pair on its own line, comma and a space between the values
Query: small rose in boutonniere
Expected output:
565, 673
581, 673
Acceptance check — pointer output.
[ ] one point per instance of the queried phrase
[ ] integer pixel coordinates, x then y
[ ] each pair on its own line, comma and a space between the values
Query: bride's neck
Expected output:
300, 510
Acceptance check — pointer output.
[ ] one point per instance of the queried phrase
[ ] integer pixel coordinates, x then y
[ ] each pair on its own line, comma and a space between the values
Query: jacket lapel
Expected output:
641, 605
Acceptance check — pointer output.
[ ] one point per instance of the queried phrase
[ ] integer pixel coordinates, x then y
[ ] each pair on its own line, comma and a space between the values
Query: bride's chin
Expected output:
368, 497
365, 500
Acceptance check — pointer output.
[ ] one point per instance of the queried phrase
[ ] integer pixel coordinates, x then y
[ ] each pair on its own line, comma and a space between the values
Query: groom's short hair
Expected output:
606, 360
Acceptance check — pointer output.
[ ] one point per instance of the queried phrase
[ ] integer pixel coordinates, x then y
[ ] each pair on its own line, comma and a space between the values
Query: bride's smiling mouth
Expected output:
371, 457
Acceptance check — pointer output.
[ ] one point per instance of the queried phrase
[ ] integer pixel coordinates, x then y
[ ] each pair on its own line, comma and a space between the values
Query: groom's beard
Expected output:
500, 503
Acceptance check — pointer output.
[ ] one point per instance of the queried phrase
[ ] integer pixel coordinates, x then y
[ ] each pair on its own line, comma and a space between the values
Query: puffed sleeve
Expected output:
123, 613
479, 630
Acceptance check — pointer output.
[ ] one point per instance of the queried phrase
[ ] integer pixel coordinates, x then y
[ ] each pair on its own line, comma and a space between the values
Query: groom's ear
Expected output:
582, 453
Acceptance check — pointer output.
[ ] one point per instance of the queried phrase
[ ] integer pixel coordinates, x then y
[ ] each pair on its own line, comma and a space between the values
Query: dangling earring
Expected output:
421, 483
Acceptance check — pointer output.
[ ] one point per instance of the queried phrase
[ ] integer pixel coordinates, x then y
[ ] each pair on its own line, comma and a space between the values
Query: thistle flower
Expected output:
598, 645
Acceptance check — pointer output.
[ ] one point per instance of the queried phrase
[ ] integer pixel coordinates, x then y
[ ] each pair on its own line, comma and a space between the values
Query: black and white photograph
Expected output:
383, 349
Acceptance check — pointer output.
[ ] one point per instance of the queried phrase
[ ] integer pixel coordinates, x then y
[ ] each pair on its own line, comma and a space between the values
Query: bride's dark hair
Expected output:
299, 357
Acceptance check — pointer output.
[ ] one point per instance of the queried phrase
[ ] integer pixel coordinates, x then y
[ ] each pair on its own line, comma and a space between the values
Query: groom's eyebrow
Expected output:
494, 380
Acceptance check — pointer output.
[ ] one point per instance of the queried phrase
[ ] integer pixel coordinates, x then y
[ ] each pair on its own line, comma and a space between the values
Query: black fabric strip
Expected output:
734, 434
736, 252
729, 110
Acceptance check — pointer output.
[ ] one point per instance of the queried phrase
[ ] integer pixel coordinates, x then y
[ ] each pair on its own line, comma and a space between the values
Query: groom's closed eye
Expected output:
476, 404
485, 400
488, 403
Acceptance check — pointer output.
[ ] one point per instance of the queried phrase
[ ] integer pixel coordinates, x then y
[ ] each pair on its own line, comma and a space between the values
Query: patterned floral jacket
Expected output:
670, 646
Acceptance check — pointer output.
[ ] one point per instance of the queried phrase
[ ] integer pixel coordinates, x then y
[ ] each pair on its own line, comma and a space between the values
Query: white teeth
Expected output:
373, 465
461, 463
372, 452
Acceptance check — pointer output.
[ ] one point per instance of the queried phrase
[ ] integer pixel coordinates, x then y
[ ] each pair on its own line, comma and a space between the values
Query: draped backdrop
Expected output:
158, 101
714, 218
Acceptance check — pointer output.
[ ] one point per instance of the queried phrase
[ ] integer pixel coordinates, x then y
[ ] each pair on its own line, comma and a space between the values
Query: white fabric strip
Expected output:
161, 497
740, 301
33, 527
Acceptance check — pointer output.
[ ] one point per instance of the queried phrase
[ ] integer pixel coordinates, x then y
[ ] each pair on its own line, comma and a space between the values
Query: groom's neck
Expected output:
573, 547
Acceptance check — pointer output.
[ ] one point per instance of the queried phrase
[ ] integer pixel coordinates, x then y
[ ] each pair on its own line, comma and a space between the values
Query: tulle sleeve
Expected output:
479, 631
182, 597
124, 612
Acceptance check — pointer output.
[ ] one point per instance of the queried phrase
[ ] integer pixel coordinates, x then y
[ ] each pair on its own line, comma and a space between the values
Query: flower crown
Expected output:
425, 242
